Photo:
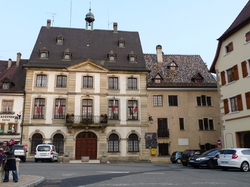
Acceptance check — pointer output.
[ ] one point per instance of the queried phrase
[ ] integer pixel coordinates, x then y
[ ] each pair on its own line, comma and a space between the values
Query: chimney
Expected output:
18, 58
9, 63
115, 26
159, 53
48, 23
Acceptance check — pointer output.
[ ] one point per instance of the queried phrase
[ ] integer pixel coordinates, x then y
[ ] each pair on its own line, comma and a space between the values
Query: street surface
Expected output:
132, 175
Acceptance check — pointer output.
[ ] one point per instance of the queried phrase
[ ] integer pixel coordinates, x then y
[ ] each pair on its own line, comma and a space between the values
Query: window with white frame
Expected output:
113, 83
87, 82
233, 104
132, 83
41, 80
39, 108
157, 100
113, 109
245, 67
229, 75
6, 85
60, 108
133, 143
61, 81
206, 124
132, 110
229, 47
203, 100
7, 106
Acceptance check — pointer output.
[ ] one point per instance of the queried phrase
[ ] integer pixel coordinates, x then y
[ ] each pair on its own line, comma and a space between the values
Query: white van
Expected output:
46, 152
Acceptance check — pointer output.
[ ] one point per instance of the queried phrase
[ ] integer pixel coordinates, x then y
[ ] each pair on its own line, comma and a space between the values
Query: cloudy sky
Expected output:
180, 26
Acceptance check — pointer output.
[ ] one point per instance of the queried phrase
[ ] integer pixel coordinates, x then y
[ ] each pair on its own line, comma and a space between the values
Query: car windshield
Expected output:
43, 148
210, 152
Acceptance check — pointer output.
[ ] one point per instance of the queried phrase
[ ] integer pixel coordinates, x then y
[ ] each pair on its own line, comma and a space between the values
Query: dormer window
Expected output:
67, 54
44, 53
197, 78
158, 79
6, 85
132, 57
172, 66
112, 56
59, 40
121, 43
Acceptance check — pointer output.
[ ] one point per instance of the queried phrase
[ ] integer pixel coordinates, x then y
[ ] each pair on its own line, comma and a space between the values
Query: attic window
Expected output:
67, 54
158, 79
59, 40
6, 85
112, 56
121, 43
44, 53
197, 79
172, 66
132, 57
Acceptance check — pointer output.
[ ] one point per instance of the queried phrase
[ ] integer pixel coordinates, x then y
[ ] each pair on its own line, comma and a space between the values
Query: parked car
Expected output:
234, 158
20, 152
188, 153
46, 152
176, 157
207, 159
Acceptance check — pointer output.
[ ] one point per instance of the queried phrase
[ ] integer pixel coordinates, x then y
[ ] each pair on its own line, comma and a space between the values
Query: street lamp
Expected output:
17, 117
150, 119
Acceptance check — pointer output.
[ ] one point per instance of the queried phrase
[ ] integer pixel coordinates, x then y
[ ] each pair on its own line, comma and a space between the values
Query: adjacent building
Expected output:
12, 98
232, 67
182, 104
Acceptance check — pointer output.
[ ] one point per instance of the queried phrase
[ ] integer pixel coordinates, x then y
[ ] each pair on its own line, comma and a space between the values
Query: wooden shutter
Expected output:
223, 78
236, 74
230, 47
247, 95
239, 101
247, 36
244, 68
226, 109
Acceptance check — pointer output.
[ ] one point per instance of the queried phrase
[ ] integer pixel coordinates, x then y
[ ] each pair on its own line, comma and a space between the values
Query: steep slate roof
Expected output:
241, 20
14, 74
88, 44
188, 67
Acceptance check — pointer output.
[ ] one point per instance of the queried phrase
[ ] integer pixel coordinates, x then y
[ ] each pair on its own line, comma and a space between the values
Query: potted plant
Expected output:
66, 159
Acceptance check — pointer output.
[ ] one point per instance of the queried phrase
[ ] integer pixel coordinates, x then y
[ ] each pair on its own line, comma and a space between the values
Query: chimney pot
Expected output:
115, 26
18, 58
48, 23
159, 53
9, 63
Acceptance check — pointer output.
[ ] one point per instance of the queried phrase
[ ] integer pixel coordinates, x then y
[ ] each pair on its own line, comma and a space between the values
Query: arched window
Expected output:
58, 142
35, 140
113, 143
133, 143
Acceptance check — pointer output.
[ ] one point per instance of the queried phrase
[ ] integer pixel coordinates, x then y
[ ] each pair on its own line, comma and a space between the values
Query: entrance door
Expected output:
86, 145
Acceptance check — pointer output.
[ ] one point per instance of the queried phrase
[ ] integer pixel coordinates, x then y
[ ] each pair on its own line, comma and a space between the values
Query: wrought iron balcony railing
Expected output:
84, 119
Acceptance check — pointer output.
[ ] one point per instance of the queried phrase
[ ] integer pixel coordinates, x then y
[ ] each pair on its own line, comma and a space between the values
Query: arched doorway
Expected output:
35, 140
58, 142
86, 145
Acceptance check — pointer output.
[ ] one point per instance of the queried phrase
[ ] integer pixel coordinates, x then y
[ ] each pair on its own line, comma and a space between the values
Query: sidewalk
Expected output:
24, 181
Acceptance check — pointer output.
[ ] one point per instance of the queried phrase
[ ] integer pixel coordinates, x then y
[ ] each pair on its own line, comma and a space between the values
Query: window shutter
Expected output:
244, 68
226, 109
239, 101
248, 99
230, 47
223, 78
247, 36
236, 74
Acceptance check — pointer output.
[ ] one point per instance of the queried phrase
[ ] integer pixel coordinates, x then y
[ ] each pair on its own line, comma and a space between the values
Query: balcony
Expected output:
86, 122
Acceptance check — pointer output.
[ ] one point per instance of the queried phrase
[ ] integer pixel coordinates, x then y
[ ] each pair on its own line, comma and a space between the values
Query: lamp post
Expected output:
150, 119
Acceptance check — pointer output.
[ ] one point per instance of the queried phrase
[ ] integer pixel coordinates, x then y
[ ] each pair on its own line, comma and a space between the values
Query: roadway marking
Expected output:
153, 173
113, 171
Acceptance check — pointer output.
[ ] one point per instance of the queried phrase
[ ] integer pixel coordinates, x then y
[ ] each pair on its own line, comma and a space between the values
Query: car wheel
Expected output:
224, 168
244, 166
184, 163
178, 161
211, 164
36, 160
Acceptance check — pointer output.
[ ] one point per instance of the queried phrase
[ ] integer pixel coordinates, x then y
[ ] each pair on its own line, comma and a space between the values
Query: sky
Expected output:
186, 27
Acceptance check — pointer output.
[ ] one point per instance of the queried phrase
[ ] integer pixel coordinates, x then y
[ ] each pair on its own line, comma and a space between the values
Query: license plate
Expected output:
191, 160
43, 154
224, 162
183, 160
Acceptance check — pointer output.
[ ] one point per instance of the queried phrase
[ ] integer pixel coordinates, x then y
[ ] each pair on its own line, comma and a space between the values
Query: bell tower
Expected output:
89, 20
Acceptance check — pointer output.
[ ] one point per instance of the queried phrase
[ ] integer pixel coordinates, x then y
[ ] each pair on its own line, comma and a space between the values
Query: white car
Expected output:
20, 152
234, 158
46, 152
